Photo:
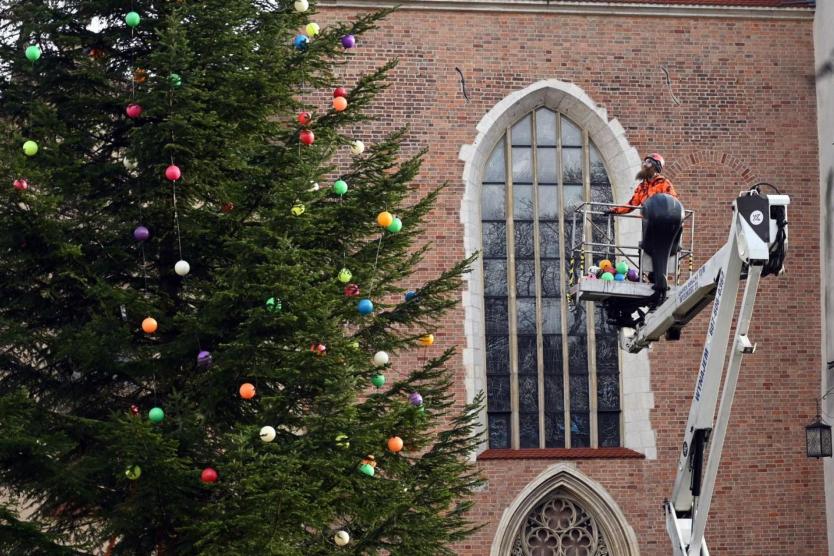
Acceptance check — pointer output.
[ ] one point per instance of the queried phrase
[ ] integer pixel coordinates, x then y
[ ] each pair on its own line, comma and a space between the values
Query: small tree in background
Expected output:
193, 335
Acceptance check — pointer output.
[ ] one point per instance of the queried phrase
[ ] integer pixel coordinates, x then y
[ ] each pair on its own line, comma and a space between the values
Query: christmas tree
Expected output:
203, 288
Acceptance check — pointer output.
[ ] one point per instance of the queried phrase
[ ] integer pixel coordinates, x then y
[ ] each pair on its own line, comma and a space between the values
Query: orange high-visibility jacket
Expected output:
646, 189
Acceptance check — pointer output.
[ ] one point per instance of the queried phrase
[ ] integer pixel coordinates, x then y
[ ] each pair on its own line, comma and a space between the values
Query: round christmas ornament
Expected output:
132, 19
133, 111
314, 187
141, 233
591, 276
297, 209
130, 164
208, 475
340, 104
301, 5
149, 325
95, 53
370, 460
622, 267
312, 29
173, 173
182, 268
156, 415
605, 263
365, 307
384, 219
300, 42
304, 118
378, 380
33, 53
619, 277
339, 92
415, 399
354, 345
351, 290
395, 226
273, 304
348, 41
340, 187
140, 75
306, 136
341, 538
133, 472
175, 80
134, 409
632, 275
367, 469
319, 349
342, 441
30, 148
204, 359
21, 184
395, 444
267, 434
426, 340
345, 275
410, 294
380, 359
357, 147
227, 207
247, 391
593, 270
607, 277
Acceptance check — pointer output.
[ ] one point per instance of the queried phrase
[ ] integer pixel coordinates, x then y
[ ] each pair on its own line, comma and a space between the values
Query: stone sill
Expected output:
560, 453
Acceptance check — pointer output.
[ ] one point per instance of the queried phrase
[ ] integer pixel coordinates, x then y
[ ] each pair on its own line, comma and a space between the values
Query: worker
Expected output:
652, 183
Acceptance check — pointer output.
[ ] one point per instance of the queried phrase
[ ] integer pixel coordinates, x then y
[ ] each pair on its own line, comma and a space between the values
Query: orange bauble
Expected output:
247, 391
605, 263
140, 75
149, 325
395, 444
339, 104
384, 218
426, 340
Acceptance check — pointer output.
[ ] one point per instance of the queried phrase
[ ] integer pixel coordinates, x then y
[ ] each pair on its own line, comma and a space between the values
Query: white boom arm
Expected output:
757, 239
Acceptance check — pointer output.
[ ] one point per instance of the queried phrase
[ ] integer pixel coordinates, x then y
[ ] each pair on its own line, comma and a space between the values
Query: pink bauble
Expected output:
21, 184
173, 173
133, 110
208, 475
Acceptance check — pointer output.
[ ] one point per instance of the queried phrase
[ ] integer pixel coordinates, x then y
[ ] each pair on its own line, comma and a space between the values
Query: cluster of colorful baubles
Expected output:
610, 272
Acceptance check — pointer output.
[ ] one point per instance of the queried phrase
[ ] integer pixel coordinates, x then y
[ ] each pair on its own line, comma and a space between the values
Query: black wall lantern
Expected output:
818, 439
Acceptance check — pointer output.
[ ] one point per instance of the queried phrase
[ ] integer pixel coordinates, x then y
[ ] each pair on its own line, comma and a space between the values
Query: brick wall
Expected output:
747, 112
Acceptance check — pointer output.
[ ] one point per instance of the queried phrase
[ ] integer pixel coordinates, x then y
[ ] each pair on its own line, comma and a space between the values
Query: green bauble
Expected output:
156, 415
378, 380
175, 80
607, 277
133, 472
340, 187
30, 148
33, 53
622, 267
367, 469
395, 226
273, 304
342, 441
132, 19
345, 275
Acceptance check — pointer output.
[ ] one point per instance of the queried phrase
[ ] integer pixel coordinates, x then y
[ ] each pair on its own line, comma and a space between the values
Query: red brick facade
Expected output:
747, 112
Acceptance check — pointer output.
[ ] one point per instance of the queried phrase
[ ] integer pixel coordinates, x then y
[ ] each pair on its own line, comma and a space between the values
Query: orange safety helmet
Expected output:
660, 163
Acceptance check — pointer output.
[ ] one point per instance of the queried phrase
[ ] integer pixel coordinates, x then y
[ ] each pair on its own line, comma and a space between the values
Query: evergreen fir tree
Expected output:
84, 467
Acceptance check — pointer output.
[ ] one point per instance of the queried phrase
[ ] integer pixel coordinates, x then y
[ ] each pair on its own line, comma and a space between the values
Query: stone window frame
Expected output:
622, 162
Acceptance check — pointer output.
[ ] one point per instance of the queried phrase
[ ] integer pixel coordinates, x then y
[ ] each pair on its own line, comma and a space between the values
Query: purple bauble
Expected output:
415, 398
632, 276
204, 359
348, 41
141, 233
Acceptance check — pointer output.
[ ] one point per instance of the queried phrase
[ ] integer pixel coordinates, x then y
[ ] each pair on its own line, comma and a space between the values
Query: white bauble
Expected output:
341, 538
357, 147
130, 164
314, 186
182, 268
267, 434
301, 5
380, 359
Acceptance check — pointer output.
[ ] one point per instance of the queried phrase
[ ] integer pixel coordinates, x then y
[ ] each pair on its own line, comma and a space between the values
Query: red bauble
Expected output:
351, 290
319, 349
208, 475
339, 92
304, 118
227, 207
306, 136
134, 409
21, 184
133, 110
173, 173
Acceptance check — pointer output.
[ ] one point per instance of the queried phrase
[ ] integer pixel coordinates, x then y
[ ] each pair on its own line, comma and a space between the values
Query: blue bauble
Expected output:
410, 294
300, 42
619, 277
365, 307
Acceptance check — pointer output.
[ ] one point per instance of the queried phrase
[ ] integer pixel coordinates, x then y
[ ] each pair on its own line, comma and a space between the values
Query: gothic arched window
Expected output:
553, 378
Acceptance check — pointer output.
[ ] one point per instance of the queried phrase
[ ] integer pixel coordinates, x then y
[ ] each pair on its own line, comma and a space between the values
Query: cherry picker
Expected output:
646, 312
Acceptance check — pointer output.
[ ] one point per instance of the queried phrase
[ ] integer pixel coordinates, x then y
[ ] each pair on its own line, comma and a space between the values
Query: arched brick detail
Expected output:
697, 158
